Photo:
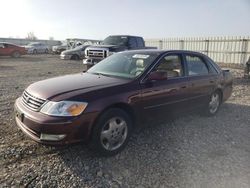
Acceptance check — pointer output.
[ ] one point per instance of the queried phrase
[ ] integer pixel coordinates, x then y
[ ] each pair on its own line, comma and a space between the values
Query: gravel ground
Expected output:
189, 151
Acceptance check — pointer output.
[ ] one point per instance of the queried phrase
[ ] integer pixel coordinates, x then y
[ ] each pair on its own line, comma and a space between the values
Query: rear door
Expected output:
163, 97
39, 47
201, 79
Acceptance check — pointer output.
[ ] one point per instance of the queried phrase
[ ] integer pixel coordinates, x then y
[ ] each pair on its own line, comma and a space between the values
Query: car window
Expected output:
171, 64
140, 42
196, 66
213, 67
132, 42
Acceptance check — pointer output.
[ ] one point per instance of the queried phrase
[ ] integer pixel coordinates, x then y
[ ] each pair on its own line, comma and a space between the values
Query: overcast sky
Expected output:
95, 19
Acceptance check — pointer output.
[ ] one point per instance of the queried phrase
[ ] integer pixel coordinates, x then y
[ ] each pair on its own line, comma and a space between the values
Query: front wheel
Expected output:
213, 104
111, 132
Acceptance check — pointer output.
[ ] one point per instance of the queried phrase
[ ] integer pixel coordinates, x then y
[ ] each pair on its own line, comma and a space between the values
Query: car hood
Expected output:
103, 46
49, 88
71, 51
114, 48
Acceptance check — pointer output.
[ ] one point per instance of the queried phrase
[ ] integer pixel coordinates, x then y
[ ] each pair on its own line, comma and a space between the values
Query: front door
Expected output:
163, 97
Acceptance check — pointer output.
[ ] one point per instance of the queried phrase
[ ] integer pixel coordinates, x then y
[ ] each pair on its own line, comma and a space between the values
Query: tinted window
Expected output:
140, 42
196, 66
171, 64
115, 40
132, 42
214, 68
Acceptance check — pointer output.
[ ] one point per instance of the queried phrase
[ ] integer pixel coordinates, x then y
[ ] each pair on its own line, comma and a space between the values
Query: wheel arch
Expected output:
220, 91
121, 105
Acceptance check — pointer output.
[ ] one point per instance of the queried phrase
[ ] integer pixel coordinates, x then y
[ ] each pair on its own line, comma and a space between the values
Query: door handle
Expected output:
211, 81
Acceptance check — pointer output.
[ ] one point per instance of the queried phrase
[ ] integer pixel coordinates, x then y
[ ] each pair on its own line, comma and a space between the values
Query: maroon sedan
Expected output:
101, 105
7, 49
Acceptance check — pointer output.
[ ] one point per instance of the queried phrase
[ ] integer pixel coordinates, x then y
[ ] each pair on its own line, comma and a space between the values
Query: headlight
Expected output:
64, 108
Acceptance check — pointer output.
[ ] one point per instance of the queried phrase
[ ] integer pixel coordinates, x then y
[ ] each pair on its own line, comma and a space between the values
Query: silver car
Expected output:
36, 47
76, 53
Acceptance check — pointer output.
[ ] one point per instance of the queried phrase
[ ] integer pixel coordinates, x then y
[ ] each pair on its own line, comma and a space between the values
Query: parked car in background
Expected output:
13, 50
37, 47
59, 48
111, 45
247, 69
76, 53
101, 105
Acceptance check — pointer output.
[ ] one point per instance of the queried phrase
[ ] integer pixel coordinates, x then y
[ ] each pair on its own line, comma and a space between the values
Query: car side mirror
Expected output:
157, 75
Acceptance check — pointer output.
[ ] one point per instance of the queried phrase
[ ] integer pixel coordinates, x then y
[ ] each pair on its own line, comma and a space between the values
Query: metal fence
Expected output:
235, 50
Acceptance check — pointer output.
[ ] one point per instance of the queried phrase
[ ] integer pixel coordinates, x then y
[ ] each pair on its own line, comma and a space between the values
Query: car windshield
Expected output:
115, 40
127, 65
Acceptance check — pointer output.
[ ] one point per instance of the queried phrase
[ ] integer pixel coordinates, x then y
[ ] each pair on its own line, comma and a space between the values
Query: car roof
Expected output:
166, 51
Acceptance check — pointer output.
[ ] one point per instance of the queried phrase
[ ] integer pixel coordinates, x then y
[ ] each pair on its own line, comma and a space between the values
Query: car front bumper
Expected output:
53, 130
29, 50
67, 57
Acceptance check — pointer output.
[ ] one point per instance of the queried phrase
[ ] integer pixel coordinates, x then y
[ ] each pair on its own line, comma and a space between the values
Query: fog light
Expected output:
52, 137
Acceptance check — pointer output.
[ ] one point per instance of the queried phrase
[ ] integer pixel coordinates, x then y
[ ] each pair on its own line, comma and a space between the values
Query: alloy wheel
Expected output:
114, 133
214, 103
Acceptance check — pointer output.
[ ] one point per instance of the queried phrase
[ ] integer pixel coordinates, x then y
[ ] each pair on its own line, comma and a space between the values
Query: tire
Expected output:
111, 132
75, 57
213, 104
16, 54
46, 51
34, 51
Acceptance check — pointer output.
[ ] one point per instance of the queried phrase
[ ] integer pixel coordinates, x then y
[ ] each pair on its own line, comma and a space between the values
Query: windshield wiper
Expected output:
99, 74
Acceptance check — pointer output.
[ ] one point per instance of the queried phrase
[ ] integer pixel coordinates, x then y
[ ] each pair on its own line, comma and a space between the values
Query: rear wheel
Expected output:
111, 132
16, 54
34, 51
213, 104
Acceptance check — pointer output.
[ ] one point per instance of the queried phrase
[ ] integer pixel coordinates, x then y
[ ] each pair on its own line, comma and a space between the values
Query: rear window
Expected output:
196, 66
140, 42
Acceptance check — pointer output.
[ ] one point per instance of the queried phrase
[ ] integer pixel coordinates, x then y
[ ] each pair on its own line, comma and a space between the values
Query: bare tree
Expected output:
31, 36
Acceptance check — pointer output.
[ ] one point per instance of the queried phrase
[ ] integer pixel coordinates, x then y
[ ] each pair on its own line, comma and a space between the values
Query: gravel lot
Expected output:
189, 151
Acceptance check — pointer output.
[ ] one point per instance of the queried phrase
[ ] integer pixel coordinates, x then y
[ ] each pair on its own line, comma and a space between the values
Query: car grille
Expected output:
96, 53
32, 102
